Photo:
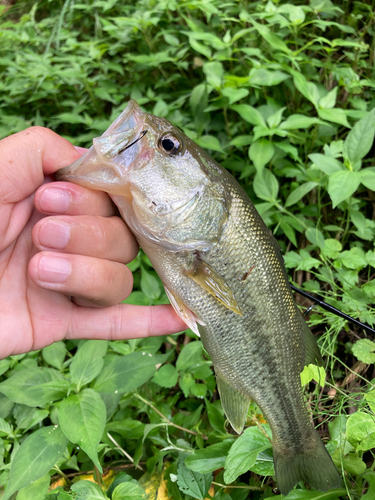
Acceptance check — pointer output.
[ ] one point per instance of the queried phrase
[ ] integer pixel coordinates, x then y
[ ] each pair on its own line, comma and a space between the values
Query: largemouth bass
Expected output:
224, 275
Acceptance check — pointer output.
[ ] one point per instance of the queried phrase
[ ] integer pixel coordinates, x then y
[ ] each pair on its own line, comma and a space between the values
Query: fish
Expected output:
223, 272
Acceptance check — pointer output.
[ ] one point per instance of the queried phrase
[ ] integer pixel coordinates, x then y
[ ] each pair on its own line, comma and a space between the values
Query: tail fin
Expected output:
314, 466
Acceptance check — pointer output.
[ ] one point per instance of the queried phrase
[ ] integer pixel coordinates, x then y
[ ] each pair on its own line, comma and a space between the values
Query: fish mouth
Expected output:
110, 157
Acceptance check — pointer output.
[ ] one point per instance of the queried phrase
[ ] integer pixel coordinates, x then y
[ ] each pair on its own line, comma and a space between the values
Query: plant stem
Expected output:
257, 488
123, 451
167, 419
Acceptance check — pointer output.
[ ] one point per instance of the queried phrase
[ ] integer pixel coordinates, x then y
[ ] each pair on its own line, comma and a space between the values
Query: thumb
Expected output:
26, 157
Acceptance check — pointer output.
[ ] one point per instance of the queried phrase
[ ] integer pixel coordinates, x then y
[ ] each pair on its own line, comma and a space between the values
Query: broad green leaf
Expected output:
334, 115
299, 121
82, 418
35, 386
360, 139
214, 73
315, 236
190, 355
266, 186
364, 350
193, 483
166, 376
332, 248
88, 361
234, 94
186, 383
36, 490
129, 491
266, 78
5, 427
307, 89
329, 100
260, 153
326, 164
302, 494
354, 258
274, 120
342, 185
35, 457
351, 462
150, 285
209, 459
243, 453
215, 417
241, 140
249, 114
360, 429
124, 374
370, 398
273, 40
54, 354
209, 142
299, 193
288, 231
312, 372
368, 177
87, 490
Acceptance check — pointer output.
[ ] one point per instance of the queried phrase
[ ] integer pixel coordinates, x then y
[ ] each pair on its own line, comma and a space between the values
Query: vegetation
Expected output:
282, 95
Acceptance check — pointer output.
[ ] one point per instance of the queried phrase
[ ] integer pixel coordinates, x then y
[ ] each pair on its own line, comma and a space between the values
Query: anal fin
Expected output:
184, 312
234, 403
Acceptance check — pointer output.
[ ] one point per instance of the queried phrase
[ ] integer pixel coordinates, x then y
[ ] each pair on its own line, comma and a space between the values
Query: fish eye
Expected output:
170, 144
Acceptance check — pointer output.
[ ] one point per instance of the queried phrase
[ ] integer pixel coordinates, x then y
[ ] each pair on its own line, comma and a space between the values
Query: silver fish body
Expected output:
224, 274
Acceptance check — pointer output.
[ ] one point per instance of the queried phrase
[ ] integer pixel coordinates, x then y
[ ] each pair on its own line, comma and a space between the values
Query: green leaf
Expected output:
88, 361
307, 89
186, 383
150, 285
303, 494
299, 121
234, 94
193, 483
5, 428
334, 115
209, 142
299, 193
87, 490
209, 459
326, 164
35, 457
360, 139
166, 376
129, 491
215, 417
364, 350
315, 236
360, 429
54, 354
260, 153
266, 186
190, 355
329, 100
312, 372
124, 374
243, 453
273, 40
354, 258
35, 386
342, 185
266, 78
368, 177
332, 248
249, 114
214, 73
82, 418
36, 491
351, 462
288, 231
370, 398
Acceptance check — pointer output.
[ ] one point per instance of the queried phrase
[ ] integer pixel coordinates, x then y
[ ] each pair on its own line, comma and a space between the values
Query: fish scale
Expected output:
224, 274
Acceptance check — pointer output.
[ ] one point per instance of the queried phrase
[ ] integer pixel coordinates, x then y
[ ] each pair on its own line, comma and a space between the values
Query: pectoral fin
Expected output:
234, 403
203, 274
184, 312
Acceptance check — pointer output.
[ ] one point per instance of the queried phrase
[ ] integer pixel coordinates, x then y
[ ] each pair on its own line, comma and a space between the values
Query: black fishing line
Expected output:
318, 300
128, 146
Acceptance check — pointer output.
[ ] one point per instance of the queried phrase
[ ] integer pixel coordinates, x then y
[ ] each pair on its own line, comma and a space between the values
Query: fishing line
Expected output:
319, 300
128, 146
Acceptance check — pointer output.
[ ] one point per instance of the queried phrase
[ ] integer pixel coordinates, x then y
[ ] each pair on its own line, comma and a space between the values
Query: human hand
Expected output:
79, 250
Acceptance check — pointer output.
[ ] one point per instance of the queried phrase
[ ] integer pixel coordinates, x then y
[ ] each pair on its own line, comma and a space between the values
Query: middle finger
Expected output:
101, 237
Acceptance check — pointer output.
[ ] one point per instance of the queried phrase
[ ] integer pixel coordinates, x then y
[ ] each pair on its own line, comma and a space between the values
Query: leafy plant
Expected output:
281, 94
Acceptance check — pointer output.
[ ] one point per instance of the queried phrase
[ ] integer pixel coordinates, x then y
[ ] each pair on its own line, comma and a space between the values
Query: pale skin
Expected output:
63, 254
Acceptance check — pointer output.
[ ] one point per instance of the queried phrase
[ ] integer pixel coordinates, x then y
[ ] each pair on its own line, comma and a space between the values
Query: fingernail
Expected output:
54, 269
54, 234
54, 200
